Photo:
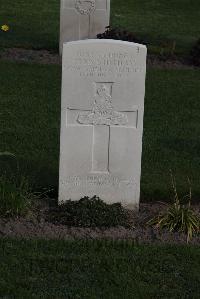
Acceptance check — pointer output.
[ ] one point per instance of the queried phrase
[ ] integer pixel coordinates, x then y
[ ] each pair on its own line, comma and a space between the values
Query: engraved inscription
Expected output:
85, 7
103, 112
102, 181
89, 64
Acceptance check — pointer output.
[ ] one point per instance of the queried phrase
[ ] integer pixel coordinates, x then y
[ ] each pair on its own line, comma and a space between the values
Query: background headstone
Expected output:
103, 85
83, 19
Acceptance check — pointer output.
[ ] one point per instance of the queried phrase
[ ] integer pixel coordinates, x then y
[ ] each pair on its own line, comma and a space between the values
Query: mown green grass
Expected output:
30, 96
171, 132
160, 22
60, 269
30, 125
35, 24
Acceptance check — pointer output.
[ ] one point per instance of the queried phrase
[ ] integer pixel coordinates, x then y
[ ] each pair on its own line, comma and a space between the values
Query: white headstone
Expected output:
83, 19
103, 85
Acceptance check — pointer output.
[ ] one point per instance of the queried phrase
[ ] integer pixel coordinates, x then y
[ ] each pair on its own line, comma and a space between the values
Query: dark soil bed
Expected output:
35, 226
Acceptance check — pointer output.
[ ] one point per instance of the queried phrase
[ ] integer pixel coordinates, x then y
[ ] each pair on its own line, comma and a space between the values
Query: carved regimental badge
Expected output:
85, 7
103, 112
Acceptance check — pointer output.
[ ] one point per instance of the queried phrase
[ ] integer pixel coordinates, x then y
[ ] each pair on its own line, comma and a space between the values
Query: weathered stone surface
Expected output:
83, 19
103, 85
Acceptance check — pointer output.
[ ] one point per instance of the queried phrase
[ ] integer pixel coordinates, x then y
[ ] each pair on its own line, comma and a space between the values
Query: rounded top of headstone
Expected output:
104, 41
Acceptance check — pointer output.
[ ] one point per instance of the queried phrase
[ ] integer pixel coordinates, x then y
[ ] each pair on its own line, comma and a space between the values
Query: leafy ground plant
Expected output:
89, 212
118, 34
179, 216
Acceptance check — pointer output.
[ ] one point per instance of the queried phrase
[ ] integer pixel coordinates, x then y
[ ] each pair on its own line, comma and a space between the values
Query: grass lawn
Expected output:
35, 24
60, 269
30, 117
160, 22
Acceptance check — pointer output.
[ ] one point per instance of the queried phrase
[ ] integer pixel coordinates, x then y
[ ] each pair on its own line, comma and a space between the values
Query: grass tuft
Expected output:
178, 217
15, 196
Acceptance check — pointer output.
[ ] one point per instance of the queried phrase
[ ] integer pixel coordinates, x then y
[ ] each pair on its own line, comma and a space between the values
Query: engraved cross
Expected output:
86, 10
103, 117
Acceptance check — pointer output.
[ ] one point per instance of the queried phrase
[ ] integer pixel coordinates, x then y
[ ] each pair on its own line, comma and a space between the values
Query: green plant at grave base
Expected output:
15, 196
89, 212
15, 191
178, 217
